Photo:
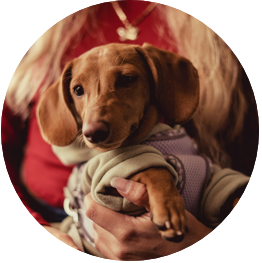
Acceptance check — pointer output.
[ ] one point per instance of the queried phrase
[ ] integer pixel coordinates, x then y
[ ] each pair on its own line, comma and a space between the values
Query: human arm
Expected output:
13, 136
14, 133
123, 237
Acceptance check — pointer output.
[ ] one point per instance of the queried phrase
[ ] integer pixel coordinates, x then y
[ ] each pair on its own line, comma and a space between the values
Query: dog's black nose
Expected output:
96, 132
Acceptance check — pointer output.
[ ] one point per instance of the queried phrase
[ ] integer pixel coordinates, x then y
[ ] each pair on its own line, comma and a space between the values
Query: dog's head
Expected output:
118, 92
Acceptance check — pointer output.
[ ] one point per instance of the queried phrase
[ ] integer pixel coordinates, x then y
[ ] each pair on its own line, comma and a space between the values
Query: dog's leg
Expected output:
166, 204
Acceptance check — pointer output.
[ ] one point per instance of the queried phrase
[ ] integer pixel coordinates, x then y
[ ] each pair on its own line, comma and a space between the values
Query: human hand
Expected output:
62, 237
123, 237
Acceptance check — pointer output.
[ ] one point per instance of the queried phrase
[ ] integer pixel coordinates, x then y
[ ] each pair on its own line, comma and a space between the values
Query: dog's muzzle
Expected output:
96, 132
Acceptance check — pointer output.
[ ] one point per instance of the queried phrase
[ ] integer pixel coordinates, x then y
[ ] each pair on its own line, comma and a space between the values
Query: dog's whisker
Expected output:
80, 138
116, 59
66, 78
79, 134
123, 59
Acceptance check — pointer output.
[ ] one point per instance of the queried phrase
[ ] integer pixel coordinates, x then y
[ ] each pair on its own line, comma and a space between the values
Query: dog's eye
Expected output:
79, 91
126, 81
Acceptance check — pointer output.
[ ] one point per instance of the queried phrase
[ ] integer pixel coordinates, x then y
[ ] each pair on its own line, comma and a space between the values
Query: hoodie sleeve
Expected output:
223, 184
120, 163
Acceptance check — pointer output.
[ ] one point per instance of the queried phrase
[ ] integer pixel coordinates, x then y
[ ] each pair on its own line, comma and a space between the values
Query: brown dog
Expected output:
115, 94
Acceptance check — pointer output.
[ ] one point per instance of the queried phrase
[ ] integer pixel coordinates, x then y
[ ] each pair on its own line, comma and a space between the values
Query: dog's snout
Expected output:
96, 132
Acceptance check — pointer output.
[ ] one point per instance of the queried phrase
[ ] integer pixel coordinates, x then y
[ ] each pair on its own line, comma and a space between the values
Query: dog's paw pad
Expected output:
160, 227
163, 227
172, 235
176, 238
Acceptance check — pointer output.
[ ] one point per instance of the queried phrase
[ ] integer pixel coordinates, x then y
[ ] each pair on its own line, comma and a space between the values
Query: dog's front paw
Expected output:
166, 204
168, 214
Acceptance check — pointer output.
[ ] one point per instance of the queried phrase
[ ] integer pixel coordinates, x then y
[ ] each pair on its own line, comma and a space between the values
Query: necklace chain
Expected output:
130, 32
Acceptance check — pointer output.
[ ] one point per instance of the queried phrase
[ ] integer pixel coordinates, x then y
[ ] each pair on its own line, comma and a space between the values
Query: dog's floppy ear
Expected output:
56, 121
176, 83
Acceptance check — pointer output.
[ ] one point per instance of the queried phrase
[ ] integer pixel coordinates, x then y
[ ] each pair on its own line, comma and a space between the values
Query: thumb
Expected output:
132, 191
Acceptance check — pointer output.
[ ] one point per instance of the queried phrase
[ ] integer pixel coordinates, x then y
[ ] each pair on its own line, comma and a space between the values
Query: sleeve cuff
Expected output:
120, 163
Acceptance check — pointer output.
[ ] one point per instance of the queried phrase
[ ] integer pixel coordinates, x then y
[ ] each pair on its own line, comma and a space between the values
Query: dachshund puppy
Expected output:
115, 94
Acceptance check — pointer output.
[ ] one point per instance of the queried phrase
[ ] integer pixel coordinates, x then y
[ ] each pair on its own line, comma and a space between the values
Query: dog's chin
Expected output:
104, 147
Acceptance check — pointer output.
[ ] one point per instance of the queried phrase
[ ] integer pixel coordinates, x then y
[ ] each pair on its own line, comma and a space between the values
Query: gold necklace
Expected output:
130, 30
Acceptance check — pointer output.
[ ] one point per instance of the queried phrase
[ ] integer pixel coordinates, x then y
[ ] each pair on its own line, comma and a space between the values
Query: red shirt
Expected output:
43, 173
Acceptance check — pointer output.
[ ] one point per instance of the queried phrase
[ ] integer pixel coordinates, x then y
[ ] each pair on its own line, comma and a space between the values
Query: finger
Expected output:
132, 191
98, 213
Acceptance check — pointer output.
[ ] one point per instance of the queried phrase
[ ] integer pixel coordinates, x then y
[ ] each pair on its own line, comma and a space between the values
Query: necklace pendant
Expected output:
130, 33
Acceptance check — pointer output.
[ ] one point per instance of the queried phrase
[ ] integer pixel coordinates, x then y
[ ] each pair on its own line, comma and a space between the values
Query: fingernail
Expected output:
120, 184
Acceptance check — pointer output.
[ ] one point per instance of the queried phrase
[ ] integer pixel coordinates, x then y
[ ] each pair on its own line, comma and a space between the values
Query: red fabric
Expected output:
44, 174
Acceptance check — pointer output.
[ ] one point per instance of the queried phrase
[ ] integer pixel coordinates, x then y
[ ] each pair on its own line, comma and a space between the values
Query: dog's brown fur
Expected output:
164, 84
